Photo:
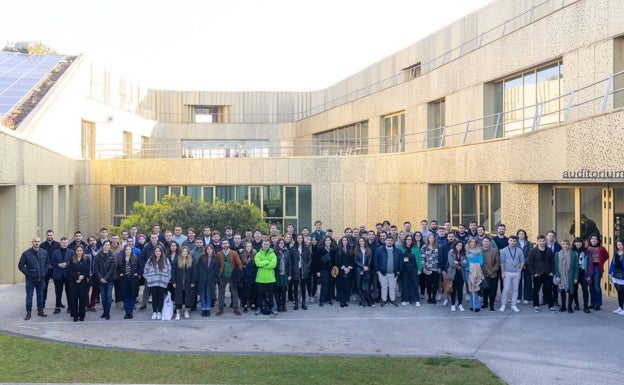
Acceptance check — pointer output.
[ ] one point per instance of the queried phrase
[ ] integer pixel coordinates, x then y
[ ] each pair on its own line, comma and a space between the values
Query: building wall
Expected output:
28, 171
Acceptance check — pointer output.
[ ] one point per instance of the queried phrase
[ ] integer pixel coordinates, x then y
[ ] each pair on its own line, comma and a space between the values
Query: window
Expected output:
211, 114
346, 140
527, 99
392, 138
436, 121
618, 66
87, 139
412, 72
281, 204
127, 144
463, 203
225, 148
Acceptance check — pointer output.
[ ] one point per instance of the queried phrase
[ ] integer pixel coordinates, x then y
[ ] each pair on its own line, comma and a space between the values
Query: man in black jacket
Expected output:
541, 265
34, 264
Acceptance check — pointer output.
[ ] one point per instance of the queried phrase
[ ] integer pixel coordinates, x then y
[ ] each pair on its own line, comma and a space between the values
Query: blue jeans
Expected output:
30, 288
204, 297
596, 290
106, 291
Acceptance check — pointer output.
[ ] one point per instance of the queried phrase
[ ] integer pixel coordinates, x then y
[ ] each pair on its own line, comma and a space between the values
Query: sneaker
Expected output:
461, 308
445, 302
394, 303
536, 309
403, 303
525, 302
502, 308
518, 302
383, 303
515, 308
417, 304
311, 300
618, 310
273, 311
257, 312
186, 314
177, 317
552, 310
438, 297
154, 315
621, 312
453, 308
159, 315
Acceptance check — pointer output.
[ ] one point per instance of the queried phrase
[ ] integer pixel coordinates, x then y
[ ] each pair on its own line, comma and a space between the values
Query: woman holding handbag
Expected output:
157, 274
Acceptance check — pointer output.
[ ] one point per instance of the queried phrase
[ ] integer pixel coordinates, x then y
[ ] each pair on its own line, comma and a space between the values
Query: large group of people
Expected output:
263, 272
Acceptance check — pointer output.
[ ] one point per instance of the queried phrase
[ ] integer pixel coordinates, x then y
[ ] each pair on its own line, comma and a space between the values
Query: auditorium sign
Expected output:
593, 174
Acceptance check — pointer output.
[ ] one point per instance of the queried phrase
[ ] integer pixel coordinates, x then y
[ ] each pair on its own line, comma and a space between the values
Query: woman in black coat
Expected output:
344, 262
301, 259
324, 258
183, 278
362, 259
128, 269
206, 272
78, 280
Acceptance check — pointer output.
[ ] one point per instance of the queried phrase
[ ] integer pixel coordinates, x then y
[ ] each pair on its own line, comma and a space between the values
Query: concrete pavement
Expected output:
521, 348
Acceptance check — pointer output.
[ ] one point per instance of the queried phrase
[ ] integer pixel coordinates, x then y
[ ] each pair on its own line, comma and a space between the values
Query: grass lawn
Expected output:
26, 360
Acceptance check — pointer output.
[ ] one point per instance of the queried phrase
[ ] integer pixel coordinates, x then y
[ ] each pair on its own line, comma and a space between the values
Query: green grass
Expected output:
26, 360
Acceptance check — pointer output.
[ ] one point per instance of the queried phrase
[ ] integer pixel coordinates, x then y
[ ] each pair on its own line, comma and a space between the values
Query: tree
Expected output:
30, 47
184, 211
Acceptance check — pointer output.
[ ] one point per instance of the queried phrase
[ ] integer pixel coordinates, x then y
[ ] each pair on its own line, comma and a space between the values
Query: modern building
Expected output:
511, 114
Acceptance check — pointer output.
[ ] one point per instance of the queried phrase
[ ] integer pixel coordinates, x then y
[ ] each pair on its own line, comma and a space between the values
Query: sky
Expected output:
230, 45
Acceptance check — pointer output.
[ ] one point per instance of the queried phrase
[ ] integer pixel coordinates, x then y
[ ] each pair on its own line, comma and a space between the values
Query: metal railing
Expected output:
590, 100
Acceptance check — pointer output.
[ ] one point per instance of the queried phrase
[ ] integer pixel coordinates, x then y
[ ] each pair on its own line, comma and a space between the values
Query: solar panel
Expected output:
20, 73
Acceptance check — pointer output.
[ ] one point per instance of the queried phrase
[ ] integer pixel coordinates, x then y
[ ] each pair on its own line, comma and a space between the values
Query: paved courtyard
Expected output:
521, 348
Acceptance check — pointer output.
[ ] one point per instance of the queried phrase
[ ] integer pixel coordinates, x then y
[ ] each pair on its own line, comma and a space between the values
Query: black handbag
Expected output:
484, 284
618, 273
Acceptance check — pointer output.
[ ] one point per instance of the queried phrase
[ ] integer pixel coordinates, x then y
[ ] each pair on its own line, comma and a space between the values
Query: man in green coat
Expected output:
265, 260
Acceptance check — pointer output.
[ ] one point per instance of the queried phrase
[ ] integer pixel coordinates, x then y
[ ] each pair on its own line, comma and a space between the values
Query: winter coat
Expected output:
266, 262
571, 275
104, 266
206, 275
135, 270
34, 264
183, 278
304, 258
155, 276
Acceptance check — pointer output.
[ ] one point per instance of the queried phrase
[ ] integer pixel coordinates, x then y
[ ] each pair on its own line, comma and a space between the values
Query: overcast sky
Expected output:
270, 45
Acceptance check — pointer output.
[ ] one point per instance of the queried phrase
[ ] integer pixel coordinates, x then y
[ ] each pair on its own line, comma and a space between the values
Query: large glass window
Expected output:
436, 121
463, 203
225, 148
392, 138
346, 140
525, 95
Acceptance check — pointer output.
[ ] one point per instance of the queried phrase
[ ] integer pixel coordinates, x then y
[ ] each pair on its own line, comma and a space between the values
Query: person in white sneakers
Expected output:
454, 272
616, 273
512, 262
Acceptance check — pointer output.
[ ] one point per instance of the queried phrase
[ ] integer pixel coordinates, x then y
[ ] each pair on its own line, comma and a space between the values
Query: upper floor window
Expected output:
225, 148
392, 138
210, 114
527, 100
412, 71
346, 140
436, 112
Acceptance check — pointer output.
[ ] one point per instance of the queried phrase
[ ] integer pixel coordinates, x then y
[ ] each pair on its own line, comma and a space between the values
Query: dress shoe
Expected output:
57, 310
586, 310
331, 303
28, 316
597, 307
237, 312
62, 306
81, 319
130, 316
40, 313
220, 312
304, 307
296, 307
341, 304
75, 319
207, 313
126, 316
107, 316
321, 304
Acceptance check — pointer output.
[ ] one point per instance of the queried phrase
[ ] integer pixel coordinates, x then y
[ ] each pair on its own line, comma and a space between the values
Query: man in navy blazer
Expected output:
388, 269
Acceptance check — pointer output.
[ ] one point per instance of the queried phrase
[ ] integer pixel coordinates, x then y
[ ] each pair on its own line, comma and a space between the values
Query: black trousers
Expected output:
265, 291
489, 294
582, 281
77, 298
158, 298
303, 284
433, 281
58, 290
546, 281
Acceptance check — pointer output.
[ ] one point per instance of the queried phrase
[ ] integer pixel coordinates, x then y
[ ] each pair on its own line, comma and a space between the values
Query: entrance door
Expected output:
582, 211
